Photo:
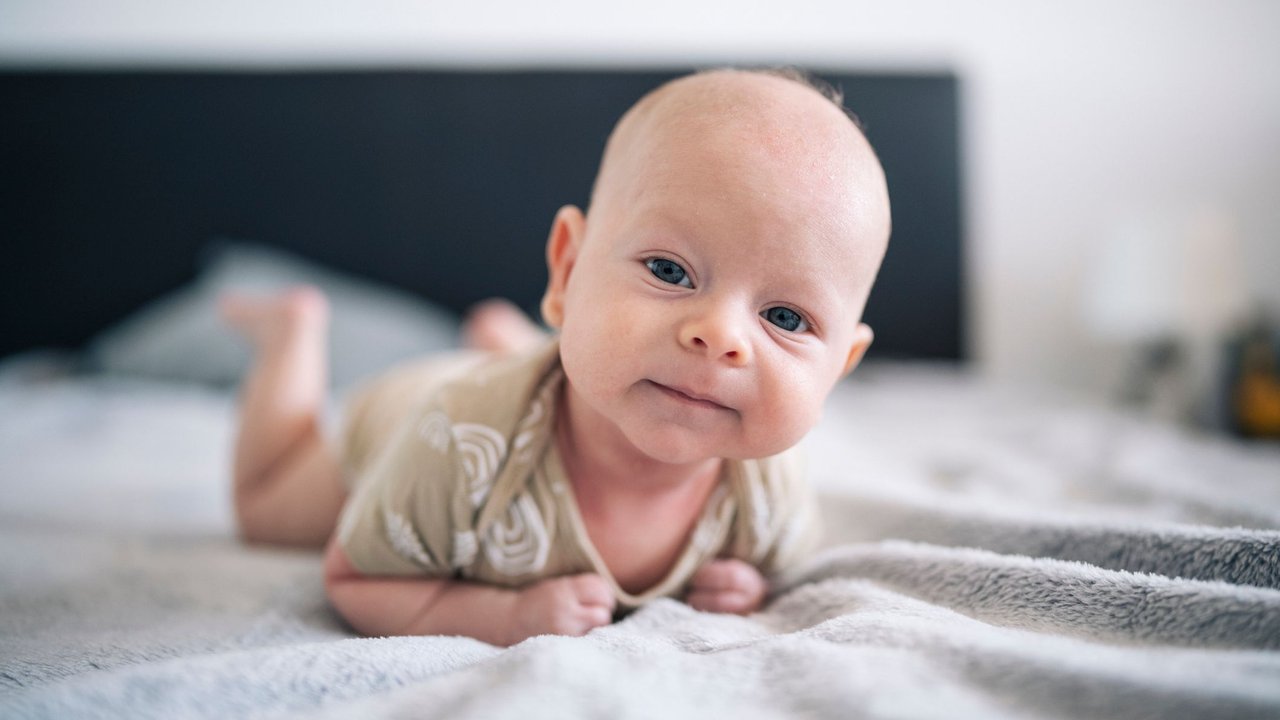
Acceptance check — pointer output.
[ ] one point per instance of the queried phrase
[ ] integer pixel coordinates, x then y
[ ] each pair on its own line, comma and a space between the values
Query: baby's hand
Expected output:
728, 586
570, 605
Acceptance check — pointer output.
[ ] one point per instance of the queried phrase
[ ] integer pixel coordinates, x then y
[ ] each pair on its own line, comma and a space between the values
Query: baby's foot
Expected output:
269, 321
498, 326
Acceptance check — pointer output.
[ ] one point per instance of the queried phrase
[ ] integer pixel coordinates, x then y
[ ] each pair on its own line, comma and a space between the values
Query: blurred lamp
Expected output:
1169, 287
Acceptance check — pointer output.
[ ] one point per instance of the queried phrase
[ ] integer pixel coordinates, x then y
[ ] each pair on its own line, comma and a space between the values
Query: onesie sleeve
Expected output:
404, 516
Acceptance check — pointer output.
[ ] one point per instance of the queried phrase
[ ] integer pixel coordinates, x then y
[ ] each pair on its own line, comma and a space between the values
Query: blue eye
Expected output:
785, 318
668, 272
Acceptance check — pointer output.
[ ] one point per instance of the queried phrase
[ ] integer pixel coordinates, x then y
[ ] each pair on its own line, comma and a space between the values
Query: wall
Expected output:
1079, 116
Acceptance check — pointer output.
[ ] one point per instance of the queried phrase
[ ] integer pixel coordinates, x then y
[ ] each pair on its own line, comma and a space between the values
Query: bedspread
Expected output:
988, 556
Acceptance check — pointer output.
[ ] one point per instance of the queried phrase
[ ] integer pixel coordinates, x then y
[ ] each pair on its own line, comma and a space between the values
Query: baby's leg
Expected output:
497, 325
288, 485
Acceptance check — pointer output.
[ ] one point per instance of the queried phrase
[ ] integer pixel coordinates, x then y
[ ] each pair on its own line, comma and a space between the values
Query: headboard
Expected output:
440, 182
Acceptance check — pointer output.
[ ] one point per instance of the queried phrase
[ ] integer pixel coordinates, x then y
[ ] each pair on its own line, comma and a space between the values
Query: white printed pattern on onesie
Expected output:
518, 544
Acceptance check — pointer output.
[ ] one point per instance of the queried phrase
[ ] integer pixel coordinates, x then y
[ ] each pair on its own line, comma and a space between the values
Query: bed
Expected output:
991, 550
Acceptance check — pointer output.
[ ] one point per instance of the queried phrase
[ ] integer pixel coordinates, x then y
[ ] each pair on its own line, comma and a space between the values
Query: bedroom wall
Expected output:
1082, 120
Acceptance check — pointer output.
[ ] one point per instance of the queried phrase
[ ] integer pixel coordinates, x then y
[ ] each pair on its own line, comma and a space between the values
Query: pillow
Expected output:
180, 337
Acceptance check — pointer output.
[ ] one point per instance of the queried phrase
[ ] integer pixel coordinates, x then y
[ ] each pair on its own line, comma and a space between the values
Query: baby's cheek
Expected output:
788, 415
595, 348
602, 314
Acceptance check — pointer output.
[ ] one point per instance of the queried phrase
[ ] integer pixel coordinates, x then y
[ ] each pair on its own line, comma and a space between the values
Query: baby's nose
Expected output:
718, 337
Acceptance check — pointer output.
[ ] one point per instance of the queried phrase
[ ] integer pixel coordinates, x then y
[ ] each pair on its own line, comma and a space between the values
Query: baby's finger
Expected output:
720, 601
728, 574
593, 590
594, 616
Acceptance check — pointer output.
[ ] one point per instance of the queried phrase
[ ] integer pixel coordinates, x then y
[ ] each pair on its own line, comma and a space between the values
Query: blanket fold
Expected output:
1196, 552
1065, 597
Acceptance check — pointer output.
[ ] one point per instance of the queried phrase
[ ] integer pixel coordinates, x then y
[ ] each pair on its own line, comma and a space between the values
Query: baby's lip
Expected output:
688, 394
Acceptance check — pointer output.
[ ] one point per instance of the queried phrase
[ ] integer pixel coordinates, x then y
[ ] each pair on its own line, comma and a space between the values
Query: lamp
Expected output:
1169, 287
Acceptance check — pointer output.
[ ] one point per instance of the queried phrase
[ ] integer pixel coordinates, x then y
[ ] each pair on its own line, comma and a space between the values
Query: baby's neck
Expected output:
638, 512
600, 461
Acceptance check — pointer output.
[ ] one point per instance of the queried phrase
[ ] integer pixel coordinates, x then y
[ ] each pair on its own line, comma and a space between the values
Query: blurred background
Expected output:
1120, 161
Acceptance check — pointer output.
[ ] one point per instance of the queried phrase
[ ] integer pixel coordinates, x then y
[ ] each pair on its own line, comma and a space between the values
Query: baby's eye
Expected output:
668, 272
785, 318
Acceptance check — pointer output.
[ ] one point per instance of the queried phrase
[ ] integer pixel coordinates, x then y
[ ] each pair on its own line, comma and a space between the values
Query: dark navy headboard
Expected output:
441, 182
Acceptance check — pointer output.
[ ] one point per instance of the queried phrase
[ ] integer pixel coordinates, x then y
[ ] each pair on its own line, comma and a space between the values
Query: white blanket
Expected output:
989, 557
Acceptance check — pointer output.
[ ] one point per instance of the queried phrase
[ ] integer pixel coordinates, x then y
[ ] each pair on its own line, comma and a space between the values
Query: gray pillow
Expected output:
179, 336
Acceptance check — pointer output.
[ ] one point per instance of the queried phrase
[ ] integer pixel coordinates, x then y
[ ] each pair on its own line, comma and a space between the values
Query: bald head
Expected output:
753, 122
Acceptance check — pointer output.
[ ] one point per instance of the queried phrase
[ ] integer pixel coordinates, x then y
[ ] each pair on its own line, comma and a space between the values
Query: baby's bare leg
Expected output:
287, 485
498, 326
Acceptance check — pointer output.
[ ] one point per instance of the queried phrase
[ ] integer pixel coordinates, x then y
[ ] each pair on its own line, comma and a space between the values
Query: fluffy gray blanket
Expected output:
133, 602
887, 629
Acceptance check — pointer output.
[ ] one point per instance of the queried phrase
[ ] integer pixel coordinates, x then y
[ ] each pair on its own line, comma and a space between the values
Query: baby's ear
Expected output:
567, 231
862, 338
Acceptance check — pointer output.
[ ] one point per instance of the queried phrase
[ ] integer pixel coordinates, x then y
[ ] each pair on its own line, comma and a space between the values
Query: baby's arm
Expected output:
382, 606
727, 585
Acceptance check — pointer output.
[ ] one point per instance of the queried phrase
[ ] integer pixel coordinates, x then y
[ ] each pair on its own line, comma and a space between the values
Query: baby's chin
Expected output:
682, 446
670, 445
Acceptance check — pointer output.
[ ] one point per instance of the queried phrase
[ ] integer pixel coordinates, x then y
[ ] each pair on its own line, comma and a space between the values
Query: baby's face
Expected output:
714, 297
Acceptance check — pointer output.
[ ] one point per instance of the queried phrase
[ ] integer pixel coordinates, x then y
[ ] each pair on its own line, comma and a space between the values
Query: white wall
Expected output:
1078, 116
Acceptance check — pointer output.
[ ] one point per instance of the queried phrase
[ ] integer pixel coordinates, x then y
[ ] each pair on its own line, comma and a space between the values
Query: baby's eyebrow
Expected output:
808, 296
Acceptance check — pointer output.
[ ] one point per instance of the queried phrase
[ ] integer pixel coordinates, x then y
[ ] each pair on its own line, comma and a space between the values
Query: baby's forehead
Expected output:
747, 118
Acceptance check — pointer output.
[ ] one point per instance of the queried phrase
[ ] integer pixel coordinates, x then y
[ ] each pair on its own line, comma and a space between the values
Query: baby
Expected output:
705, 306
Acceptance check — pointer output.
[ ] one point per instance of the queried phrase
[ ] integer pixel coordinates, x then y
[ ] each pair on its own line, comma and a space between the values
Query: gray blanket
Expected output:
135, 602
883, 629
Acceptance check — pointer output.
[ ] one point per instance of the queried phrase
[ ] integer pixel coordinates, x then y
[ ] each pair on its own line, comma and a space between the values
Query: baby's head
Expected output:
711, 297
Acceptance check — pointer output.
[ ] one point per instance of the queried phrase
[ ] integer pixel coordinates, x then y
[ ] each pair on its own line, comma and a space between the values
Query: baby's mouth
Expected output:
689, 397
